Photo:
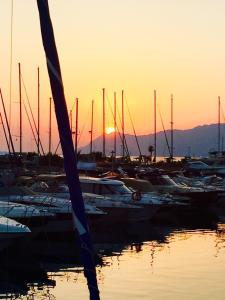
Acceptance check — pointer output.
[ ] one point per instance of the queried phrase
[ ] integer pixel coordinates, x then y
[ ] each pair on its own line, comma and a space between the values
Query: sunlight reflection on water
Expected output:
187, 264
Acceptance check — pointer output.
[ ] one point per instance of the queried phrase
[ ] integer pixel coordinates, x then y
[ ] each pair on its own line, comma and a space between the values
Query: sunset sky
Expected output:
173, 46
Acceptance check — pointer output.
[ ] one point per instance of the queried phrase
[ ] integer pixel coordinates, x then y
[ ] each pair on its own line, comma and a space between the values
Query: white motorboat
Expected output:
164, 184
11, 231
60, 208
36, 219
201, 167
117, 211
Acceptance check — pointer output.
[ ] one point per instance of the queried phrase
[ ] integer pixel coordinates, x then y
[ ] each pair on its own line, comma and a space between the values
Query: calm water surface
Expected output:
170, 264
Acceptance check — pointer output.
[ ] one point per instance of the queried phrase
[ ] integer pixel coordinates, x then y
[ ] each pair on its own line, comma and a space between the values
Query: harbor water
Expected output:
158, 263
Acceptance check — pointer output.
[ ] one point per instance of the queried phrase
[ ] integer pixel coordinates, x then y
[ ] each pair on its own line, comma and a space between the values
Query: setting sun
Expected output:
109, 130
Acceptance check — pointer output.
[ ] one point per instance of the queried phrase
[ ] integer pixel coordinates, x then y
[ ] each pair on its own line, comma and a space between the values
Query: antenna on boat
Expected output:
115, 130
92, 121
70, 162
38, 121
154, 158
219, 124
103, 122
171, 150
76, 127
20, 102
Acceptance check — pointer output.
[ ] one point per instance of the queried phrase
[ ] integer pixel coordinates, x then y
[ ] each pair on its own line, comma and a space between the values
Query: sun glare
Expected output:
109, 130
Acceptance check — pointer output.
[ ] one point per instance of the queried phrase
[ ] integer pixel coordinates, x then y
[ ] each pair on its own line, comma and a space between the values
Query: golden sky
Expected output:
173, 46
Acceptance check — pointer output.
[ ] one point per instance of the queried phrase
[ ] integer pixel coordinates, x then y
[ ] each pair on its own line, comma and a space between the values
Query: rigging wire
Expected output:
221, 108
84, 126
81, 132
5, 134
167, 143
136, 138
120, 136
31, 112
30, 123
11, 57
36, 142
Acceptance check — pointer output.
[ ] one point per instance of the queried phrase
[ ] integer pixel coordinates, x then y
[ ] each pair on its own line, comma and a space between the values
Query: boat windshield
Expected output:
119, 189
161, 180
105, 189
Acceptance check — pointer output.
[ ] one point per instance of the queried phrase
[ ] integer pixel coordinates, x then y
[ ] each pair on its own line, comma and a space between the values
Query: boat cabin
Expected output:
102, 186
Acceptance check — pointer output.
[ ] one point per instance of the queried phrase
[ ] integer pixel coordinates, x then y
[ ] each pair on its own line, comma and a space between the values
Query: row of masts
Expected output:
75, 133
11, 148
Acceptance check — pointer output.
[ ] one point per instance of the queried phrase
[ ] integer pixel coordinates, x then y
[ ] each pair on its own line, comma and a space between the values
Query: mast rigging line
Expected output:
5, 134
31, 112
7, 124
221, 109
120, 136
84, 126
81, 132
167, 142
30, 123
11, 57
136, 138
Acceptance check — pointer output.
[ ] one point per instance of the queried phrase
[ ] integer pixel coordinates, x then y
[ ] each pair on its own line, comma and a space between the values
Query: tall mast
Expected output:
92, 121
171, 150
38, 123
103, 122
50, 126
123, 136
20, 101
70, 163
219, 124
76, 127
115, 129
154, 159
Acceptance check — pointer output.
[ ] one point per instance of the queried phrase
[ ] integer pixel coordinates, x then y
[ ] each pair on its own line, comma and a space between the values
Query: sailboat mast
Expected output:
219, 124
171, 150
50, 127
115, 124
123, 136
154, 159
76, 127
38, 123
92, 120
20, 102
103, 122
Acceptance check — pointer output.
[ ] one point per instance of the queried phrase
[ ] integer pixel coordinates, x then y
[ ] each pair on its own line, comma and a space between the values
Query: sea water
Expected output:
167, 263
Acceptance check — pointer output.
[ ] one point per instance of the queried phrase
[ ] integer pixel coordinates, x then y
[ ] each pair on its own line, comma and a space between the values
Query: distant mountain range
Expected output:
197, 141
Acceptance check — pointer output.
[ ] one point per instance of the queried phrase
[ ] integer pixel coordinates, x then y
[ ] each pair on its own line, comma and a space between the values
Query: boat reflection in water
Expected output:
158, 262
